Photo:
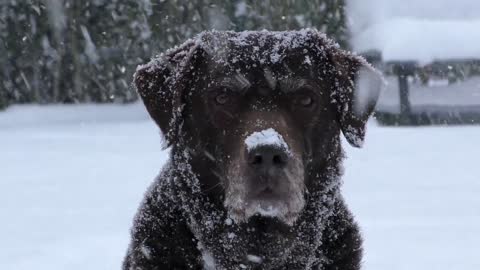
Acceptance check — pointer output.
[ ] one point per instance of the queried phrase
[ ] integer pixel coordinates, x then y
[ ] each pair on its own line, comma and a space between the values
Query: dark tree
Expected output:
68, 51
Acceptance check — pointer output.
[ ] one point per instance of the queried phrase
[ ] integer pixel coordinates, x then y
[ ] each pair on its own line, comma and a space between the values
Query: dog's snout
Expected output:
266, 157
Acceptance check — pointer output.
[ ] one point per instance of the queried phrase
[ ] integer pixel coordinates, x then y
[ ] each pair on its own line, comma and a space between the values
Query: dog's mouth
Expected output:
266, 207
277, 200
267, 192
268, 204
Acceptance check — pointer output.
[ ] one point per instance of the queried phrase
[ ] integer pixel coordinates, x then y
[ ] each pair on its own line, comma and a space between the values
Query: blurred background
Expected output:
65, 51
77, 149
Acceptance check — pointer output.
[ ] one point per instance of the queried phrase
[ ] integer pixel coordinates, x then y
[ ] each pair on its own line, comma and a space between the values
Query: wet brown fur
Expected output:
181, 100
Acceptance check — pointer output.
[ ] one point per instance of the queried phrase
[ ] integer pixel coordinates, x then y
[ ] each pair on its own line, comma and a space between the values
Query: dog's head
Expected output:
258, 111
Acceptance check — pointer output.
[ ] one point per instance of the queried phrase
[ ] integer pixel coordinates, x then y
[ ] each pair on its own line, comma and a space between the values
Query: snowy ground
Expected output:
72, 177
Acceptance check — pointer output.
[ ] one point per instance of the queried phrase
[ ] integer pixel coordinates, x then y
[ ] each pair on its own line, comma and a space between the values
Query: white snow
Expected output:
240, 9
90, 48
265, 137
56, 15
267, 210
421, 40
420, 30
208, 260
147, 253
219, 43
207, 257
71, 179
254, 258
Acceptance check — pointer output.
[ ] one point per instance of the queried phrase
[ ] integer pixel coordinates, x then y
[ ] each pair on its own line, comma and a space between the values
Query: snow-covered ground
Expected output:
72, 177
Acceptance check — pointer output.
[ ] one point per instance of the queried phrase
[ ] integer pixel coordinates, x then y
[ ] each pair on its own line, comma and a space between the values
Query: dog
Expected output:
253, 120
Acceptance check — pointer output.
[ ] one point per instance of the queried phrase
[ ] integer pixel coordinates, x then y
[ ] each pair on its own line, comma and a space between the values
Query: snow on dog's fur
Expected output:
253, 120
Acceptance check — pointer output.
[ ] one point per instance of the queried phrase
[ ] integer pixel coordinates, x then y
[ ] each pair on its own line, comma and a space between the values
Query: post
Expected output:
404, 93
403, 70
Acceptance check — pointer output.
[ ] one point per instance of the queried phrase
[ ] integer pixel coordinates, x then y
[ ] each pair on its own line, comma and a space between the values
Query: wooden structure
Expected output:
433, 113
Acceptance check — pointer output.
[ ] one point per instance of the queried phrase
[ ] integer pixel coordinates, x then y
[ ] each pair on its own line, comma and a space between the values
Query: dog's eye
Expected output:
304, 100
222, 98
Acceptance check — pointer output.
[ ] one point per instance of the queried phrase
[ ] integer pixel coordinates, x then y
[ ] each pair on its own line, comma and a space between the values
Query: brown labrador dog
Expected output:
253, 120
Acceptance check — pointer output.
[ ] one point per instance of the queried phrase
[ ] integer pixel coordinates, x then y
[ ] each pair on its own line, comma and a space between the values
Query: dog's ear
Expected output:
152, 86
161, 85
356, 89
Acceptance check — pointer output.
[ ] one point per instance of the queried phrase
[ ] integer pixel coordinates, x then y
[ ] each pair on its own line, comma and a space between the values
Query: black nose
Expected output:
266, 157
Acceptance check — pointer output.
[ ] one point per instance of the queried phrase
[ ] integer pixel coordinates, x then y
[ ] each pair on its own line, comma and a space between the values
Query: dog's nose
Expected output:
266, 157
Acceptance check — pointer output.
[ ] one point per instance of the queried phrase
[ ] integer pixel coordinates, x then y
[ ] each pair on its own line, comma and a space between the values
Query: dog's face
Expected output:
268, 121
258, 114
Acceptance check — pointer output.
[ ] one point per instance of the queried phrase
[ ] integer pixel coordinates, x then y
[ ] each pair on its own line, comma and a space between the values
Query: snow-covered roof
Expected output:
421, 40
418, 30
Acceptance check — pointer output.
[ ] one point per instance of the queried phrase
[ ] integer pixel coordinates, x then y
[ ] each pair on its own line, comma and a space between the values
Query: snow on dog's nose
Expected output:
266, 137
267, 151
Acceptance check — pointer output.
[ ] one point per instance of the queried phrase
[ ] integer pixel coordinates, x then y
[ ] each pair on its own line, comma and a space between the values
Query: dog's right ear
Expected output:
356, 91
161, 84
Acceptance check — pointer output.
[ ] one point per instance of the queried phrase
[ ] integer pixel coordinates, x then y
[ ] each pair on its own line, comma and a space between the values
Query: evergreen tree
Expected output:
86, 51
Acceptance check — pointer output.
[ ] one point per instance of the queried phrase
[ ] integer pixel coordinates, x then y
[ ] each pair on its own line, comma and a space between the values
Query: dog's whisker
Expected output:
209, 155
217, 174
219, 184
228, 114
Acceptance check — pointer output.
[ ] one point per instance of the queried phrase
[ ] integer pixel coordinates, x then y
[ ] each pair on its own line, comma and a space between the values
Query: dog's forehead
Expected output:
265, 58
263, 48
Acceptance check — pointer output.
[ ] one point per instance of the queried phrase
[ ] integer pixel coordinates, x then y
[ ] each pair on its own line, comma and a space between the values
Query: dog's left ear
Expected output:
162, 85
356, 90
